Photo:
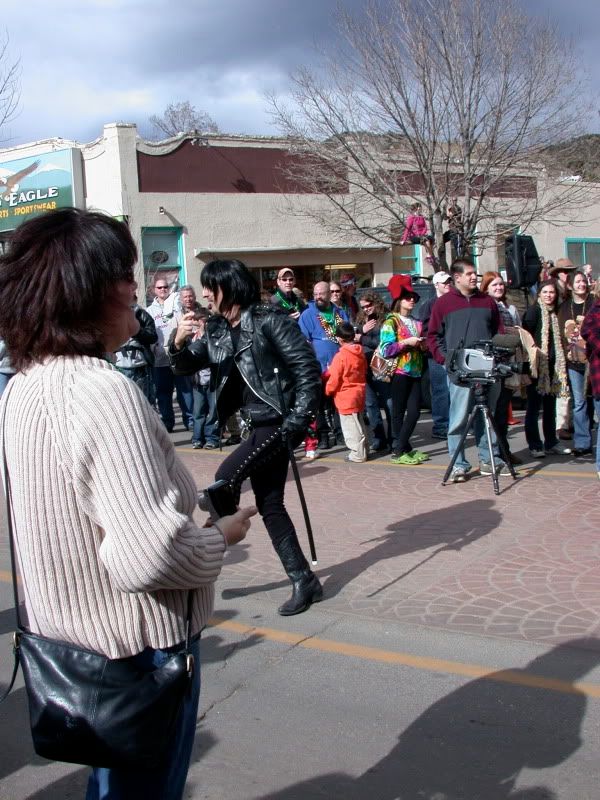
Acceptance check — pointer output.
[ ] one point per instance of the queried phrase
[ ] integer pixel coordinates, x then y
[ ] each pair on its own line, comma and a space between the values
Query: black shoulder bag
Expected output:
85, 708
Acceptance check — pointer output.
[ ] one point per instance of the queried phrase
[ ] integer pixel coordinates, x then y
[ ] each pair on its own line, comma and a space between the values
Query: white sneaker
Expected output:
559, 450
310, 454
535, 453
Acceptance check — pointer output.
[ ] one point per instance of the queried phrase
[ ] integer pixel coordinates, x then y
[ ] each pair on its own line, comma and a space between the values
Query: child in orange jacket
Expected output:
346, 383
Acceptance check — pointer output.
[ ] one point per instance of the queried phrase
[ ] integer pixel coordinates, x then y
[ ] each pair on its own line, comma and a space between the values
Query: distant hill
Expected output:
580, 156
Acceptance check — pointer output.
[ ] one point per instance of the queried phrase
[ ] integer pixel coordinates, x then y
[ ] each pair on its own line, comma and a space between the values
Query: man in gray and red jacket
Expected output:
460, 318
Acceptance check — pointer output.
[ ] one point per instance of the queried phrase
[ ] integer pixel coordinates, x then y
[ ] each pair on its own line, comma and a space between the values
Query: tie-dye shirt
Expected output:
394, 331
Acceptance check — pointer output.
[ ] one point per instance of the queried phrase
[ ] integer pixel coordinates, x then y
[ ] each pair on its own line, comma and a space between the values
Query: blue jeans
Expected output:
168, 781
165, 382
206, 424
379, 396
461, 404
440, 398
377, 431
547, 404
582, 438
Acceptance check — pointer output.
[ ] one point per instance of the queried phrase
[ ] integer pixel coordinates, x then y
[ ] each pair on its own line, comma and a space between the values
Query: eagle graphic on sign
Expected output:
10, 183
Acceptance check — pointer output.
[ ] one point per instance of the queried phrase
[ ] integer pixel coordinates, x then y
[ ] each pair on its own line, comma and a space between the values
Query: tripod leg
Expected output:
503, 451
488, 426
460, 447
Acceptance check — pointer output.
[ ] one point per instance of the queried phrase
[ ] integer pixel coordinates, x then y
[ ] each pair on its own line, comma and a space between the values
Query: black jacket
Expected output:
144, 338
268, 339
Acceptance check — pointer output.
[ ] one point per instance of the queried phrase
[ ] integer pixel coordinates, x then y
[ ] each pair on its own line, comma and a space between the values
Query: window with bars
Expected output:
584, 251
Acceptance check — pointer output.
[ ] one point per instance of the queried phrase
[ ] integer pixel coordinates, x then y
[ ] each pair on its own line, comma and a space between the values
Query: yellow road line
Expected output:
407, 660
400, 659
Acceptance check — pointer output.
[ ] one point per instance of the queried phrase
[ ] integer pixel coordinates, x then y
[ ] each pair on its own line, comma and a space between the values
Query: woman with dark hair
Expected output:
571, 315
542, 323
244, 343
102, 507
493, 284
370, 318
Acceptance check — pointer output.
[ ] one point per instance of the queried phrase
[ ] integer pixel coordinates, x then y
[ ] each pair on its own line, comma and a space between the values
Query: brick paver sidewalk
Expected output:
393, 543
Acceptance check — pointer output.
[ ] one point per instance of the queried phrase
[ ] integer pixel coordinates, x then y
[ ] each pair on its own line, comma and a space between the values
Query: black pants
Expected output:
547, 404
406, 410
264, 458
328, 422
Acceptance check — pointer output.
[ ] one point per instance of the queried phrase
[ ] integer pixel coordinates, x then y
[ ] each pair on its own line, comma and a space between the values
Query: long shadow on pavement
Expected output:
474, 743
451, 528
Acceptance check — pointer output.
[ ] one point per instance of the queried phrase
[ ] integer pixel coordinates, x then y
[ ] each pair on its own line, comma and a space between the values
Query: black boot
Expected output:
306, 587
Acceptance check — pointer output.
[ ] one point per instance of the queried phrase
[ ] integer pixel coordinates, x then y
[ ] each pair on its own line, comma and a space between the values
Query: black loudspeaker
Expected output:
522, 262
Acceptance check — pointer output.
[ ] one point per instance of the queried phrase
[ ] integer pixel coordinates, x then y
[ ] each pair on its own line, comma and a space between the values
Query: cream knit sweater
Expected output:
102, 511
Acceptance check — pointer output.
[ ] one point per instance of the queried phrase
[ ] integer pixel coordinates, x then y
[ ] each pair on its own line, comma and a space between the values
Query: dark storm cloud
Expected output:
265, 38
121, 60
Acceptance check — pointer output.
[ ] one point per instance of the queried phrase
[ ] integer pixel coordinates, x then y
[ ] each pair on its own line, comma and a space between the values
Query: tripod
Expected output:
479, 390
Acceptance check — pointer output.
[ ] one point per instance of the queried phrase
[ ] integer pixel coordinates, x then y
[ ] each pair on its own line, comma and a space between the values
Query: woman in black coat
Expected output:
541, 321
244, 341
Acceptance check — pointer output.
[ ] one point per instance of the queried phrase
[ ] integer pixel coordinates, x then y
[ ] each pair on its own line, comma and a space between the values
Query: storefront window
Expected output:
584, 251
162, 253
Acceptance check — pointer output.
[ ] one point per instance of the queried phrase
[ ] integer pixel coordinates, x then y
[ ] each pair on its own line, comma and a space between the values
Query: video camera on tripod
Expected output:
485, 362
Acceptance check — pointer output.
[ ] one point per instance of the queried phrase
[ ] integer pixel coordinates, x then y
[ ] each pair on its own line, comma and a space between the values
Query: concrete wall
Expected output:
258, 228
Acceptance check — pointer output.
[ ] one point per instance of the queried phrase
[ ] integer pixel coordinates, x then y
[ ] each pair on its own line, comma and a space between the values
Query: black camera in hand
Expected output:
218, 500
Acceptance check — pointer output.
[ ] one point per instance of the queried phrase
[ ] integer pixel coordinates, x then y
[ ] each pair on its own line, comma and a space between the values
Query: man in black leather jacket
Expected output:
243, 343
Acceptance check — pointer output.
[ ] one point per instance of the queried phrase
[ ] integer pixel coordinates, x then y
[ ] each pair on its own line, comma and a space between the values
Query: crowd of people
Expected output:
91, 381
373, 415
556, 352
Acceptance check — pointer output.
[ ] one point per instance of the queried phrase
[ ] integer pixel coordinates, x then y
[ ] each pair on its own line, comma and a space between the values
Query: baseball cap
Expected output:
441, 277
285, 271
347, 279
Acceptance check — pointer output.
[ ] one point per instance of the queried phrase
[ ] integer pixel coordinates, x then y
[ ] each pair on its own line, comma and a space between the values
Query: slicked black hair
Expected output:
237, 284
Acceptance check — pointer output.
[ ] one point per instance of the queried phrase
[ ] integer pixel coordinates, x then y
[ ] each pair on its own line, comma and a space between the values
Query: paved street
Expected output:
456, 655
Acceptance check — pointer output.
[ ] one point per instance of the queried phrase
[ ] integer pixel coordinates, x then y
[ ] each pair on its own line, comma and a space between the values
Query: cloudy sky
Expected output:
87, 62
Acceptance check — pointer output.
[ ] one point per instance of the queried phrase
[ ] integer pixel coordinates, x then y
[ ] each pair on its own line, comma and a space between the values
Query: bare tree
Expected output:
418, 106
182, 118
10, 72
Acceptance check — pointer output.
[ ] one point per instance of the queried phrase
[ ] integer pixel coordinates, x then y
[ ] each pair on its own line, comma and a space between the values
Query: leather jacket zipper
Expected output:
266, 400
